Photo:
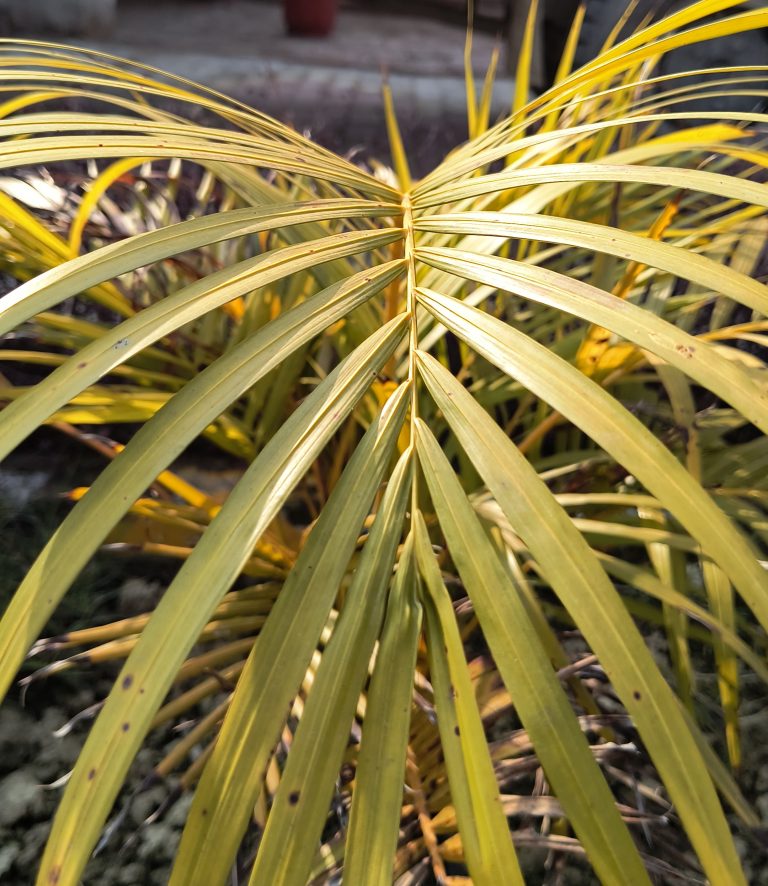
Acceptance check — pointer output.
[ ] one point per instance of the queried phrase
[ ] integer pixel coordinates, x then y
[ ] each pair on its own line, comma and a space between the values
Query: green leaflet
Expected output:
232, 779
154, 447
199, 585
618, 432
524, 664
133, 335
69, 278
576, 576
299, 811
377, 798
483, 825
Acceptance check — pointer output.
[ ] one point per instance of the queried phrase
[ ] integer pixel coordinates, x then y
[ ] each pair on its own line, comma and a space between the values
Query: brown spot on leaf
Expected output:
685, 351
91, 774
636, 695
127, 681
126, 727
54, 874
456, 730
293, 797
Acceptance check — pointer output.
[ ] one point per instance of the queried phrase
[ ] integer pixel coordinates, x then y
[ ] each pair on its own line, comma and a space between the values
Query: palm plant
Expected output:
525, 391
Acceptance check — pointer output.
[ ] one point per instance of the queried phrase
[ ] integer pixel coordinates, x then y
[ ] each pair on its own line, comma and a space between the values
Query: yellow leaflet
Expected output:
268, 548
52, 250
596, 356
712, 132
565, 65
399, 157
24, 101
613, 36
523, 71
721, 603
469, 80
383, 390
11, 211
173, 483
484, 111
96, 190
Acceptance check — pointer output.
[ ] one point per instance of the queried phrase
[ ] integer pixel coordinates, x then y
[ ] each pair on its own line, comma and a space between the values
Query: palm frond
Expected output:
527, 392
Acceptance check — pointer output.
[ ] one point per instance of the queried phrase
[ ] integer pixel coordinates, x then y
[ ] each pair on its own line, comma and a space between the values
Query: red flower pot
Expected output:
312, 18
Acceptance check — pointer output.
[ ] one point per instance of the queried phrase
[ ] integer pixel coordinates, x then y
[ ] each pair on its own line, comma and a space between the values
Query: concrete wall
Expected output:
34, 18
